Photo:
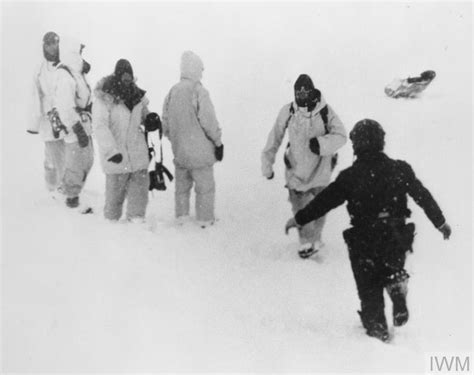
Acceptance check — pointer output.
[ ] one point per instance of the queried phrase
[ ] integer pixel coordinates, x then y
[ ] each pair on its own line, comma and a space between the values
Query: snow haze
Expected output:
83, 295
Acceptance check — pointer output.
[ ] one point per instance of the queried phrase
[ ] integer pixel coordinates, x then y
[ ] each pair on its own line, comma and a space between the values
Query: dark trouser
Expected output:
377, 255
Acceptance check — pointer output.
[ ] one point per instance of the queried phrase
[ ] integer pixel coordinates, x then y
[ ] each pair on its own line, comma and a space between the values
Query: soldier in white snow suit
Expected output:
45, 80
375, 188
72, 101
315, 134
190, 123
119, 110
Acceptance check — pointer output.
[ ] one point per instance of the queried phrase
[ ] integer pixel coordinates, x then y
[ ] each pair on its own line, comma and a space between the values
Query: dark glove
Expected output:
446, 230
314, 145
219, 152
32, 131
117, 158
82, 137
271, 176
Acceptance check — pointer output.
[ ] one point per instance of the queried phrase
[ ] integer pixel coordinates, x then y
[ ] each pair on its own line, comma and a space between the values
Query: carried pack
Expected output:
157, 174
157, 170
57, 125
324, 116
85, 113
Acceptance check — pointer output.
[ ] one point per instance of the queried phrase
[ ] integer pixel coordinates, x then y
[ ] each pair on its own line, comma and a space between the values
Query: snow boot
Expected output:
374, 329
206, 223
379, 331
397, 292
307, 250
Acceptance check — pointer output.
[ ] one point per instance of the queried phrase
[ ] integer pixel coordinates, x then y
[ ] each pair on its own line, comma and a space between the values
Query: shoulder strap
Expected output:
66, 69
324, 115
292, 112
323, 112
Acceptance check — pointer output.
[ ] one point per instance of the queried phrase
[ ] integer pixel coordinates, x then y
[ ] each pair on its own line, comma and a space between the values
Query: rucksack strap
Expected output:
88, 107
324, 112
66, 68
324, 115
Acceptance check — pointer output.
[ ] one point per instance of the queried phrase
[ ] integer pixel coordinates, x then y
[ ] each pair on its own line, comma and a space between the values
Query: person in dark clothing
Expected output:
376, 188
426, 76
410, 87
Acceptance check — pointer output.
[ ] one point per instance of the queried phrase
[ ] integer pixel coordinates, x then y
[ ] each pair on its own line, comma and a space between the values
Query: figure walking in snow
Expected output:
119, 110
190, 123
376, 188
72, 114
315, 134
411, 86
45, 80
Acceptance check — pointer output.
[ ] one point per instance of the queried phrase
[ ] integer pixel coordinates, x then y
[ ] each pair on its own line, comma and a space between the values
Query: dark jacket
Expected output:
375, 187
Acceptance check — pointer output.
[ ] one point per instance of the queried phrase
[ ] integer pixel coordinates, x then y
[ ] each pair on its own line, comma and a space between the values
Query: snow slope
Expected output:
83, 295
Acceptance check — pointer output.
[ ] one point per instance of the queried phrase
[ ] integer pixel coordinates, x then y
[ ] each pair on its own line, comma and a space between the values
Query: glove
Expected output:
291, 224
446, 230
219, 152
32, 131
82, 137
117, 158
271, 176
314, 145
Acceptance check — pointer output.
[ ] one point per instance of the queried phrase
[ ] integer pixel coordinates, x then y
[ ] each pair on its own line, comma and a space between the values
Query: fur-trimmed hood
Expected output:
108, 91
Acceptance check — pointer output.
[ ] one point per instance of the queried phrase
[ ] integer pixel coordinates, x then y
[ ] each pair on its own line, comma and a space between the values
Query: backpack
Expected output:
85, 113
57, 125
324, 116
158, 171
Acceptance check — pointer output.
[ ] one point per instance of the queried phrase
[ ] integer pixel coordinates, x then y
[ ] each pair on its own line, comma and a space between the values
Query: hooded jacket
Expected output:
44, 88
308, 170
119, 130
73, 93
189, 119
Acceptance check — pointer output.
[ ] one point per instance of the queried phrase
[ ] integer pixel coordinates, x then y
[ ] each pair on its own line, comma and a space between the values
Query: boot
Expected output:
378, 331
307, 250
375, 329
397, 292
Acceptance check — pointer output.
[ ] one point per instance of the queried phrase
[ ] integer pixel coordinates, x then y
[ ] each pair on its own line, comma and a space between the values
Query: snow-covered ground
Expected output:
83, 295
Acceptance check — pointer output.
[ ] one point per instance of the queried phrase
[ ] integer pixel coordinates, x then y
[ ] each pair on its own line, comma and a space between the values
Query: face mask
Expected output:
306, 98
313, 100
51, 53
302, 97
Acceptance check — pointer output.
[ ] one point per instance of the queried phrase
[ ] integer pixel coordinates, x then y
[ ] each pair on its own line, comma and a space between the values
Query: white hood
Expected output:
70, 54
191, 66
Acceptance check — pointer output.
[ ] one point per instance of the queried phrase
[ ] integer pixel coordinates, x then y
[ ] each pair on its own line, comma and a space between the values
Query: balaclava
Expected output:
306, 95
49, 39
121, 89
